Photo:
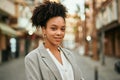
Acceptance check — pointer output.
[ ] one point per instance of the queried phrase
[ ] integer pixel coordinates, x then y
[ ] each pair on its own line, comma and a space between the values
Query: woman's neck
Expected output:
52, 48
55, 51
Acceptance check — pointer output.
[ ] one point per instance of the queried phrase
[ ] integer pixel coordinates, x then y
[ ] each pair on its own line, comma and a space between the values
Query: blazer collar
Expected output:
71, 59
48, 60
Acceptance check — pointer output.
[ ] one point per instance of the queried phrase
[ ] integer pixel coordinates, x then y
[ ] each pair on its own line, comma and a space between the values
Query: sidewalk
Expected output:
13, 70
105, 72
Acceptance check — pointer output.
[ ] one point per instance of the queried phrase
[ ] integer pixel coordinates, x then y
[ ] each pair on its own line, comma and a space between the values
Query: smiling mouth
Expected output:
58, 39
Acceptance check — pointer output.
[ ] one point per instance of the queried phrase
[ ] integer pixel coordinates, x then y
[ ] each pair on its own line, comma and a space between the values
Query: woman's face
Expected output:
54, 31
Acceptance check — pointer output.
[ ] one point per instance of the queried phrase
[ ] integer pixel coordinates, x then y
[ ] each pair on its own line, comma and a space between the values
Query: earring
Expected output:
44, 35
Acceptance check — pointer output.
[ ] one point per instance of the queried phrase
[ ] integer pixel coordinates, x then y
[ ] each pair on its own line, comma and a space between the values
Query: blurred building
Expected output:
108, 27
6, 31
102, 23
91, 47
16, 31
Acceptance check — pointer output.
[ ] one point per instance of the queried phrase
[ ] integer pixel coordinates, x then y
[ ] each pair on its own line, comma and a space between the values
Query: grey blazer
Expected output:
40, 66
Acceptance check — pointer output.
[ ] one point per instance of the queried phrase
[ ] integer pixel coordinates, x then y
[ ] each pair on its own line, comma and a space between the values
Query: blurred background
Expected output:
92, 33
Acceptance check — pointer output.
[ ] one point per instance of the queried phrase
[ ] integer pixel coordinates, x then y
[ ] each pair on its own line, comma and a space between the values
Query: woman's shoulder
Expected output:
32, 54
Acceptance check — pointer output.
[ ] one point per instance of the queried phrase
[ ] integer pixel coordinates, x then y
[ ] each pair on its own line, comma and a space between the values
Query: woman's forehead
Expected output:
56, 21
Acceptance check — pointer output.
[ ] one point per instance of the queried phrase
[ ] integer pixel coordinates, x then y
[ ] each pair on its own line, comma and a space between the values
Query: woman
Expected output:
50, 61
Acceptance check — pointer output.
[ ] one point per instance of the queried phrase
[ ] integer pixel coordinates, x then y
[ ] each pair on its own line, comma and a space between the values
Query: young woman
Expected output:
50, 61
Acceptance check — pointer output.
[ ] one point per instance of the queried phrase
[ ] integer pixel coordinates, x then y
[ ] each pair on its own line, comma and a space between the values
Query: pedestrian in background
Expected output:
50, 61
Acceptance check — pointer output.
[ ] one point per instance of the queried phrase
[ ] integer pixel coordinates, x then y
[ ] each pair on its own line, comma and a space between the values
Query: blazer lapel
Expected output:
77, 73
49, 62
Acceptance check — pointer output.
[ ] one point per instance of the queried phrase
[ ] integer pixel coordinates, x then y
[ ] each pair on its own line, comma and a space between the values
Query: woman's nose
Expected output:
59, 32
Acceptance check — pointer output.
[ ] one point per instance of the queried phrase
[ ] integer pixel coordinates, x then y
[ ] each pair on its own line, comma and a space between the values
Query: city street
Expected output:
15, 70
90, 28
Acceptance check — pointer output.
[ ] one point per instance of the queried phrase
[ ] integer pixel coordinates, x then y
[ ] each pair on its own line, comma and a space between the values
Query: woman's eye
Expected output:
63, 29
53, 28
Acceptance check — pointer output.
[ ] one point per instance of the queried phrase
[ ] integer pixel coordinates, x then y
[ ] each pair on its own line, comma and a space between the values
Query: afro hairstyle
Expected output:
46, 10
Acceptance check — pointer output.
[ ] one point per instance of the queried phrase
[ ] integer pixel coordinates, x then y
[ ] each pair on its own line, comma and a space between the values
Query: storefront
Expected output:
110, 38
6, 32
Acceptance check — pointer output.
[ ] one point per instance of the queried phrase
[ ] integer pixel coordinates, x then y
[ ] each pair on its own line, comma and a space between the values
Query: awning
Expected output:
6, 29
109, 26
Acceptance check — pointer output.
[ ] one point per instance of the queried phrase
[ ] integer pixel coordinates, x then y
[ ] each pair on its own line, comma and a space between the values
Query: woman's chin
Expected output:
57, 44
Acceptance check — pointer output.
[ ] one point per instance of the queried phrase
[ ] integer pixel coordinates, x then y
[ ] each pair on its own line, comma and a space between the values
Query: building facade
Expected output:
108, 27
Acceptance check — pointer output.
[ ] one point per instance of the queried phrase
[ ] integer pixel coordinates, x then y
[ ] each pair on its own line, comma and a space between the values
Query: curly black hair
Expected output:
45, 11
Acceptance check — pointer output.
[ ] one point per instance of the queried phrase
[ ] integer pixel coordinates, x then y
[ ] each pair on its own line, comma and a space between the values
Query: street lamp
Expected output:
89, 39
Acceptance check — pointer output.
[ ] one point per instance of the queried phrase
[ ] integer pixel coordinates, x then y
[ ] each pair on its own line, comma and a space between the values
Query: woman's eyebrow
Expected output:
53, 25
56, 25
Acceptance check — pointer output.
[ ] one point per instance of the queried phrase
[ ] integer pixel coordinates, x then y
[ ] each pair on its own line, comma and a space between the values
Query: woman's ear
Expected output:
43, 30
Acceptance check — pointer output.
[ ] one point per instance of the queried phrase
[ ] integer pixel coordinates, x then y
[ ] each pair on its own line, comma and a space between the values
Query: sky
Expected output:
71, 5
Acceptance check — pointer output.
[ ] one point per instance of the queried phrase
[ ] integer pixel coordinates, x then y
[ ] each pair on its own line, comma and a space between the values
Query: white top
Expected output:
65, 69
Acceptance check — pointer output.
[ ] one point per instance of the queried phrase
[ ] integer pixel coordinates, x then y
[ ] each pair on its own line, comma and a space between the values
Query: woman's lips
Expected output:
58, 39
